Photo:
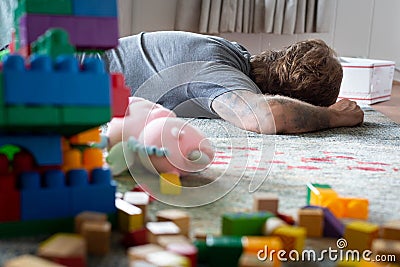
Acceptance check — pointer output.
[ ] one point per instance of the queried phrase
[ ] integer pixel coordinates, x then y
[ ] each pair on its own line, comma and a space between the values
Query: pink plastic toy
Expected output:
162, 142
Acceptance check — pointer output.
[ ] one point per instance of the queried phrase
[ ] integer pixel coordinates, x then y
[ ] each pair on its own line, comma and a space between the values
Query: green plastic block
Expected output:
55, 7
223, 250
33, 116
243, 223
325, 186
89, 116
53, 42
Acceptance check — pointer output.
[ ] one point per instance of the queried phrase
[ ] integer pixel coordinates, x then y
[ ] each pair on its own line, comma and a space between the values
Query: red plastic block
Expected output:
10, 209
84, 32
120, 95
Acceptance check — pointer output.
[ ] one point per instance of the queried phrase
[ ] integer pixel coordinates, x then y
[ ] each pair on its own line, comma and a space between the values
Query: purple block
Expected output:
333, 227
84, 32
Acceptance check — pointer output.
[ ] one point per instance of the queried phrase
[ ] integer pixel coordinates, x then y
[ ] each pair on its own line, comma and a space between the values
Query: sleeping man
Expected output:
293, 90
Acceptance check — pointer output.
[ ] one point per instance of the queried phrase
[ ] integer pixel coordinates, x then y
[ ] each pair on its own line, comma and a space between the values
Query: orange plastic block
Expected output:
72, 159
92, 158
355, 208
86, 137
253, 244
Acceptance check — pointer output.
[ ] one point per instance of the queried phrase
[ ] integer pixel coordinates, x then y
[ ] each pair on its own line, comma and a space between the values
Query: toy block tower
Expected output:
51, 106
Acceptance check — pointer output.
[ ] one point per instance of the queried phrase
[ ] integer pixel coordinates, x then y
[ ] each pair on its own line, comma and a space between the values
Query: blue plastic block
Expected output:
96, 8
98, 195
50, 201
56, 83
46, 149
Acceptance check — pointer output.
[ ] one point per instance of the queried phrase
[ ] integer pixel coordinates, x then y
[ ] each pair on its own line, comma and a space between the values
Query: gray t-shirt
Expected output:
182, 71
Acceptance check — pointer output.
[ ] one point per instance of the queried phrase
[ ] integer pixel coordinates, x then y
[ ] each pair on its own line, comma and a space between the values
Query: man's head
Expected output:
307, 70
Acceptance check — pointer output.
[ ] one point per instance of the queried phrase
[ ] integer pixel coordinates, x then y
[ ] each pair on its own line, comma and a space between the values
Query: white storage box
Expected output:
366, 81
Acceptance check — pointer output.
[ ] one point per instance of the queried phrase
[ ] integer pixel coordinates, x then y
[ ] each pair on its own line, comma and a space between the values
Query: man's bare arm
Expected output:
277, 114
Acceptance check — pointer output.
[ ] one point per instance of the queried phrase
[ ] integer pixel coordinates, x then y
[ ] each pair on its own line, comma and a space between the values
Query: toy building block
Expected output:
389, 249
138, 253
30, 260
222, 250
120, 95
271, 224
48, 117
46, 149
391, 230
179, 217
86, 137
360, 234
65, 249
251, 260
81, 118
146, 189
72, 159
84, 32
23, 161
293, 237
48, 202
54, 42
312, 220
355, 208
88, 216
98, 195
170, 184
135, 238
167, 258
333, 227
320, 194
138, 199
130, 217
254, 244
240, 224
92, 158
95, 8
56, 7
165, 240
97, 236
157, 229
186, 250
265, 202
10, 198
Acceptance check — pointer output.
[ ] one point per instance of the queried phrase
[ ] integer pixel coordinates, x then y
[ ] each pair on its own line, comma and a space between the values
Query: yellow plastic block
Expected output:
170, 184
322, 196
130, 217
63, 245
360, 234
293, 237
86, 137
92, 158
355, 208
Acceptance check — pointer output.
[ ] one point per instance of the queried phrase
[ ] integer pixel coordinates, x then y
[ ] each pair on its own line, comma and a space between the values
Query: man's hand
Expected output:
346, 113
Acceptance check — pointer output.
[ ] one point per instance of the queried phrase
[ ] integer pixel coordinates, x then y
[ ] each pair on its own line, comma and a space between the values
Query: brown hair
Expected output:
307, 70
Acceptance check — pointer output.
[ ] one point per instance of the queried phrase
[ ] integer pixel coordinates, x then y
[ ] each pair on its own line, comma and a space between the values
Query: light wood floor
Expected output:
391, 108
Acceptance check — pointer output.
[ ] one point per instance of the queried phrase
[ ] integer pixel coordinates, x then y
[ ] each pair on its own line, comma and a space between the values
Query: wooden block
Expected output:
312, 220
360, 234
166, 259
184, 249
140, 252
265, 202
97, 235
31, 261
293, 237
141, 263
170, 184
179, 217
165, 240
88, 216
138, 199
66, 249
130, 217
388, 249
391, 230
156, 229
135, 238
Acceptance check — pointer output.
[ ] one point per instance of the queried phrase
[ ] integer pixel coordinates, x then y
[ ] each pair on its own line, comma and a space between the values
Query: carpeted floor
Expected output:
361, 162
